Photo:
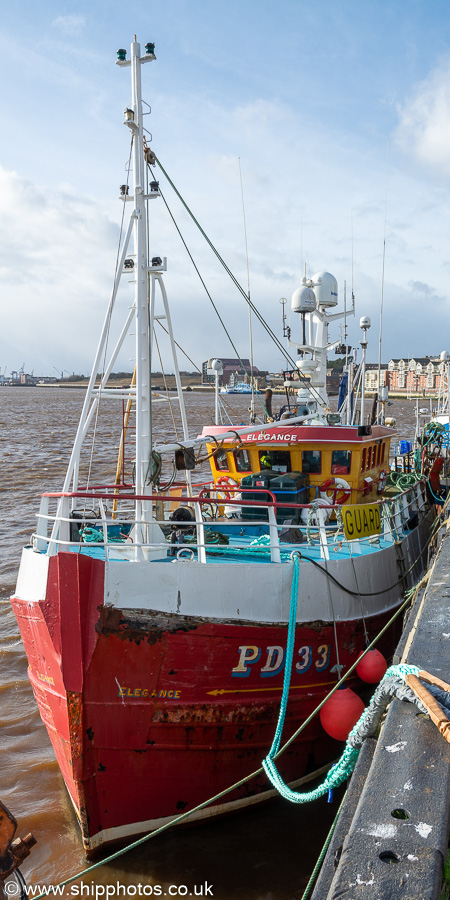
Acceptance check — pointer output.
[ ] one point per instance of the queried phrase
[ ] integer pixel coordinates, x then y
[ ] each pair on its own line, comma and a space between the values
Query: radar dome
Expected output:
303, 300
326, 289
214, 365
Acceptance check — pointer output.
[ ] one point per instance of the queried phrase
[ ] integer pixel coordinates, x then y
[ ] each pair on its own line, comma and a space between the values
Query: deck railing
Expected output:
64, 521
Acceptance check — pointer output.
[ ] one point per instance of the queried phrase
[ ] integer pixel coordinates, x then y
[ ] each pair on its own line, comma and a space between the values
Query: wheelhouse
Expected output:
355, 458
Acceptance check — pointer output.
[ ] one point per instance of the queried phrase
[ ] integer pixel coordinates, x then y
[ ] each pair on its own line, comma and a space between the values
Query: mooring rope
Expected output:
342, 770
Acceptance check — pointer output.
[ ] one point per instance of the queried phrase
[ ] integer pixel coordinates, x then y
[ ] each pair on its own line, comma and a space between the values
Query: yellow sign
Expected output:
361, 520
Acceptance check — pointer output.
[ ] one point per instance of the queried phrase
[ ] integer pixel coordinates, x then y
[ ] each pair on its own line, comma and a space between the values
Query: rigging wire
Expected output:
180, 348
254, 308
203, 283
165, 385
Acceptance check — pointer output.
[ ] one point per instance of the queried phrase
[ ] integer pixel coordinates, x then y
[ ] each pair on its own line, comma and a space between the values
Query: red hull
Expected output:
150, 715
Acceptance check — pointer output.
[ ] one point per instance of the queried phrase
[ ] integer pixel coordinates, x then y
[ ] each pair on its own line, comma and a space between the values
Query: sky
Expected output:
334, 118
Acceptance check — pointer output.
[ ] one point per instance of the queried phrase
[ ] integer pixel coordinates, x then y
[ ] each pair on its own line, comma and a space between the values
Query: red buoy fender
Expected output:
340, 713
371, 667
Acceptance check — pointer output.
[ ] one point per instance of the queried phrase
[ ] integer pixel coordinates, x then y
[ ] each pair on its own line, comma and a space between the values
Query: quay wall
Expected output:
391, 838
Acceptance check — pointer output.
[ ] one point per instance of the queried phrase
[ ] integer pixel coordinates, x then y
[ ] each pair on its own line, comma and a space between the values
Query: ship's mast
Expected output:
148, 276
144, 308
143, 333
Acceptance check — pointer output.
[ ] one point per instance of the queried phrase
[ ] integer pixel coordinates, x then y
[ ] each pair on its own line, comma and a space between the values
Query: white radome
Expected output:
326, 289
303, 300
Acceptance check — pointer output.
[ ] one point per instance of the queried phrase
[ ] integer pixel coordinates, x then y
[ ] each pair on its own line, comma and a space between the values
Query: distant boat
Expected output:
240, 388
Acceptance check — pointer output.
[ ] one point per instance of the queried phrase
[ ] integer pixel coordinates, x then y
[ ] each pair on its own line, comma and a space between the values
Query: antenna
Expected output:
364, 324
345, 324
301, 246
252, 410
353, 281
382, 271
286, 329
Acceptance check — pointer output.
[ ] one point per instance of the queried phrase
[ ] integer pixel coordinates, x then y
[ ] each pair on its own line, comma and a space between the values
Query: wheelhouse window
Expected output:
221, 461
363, 460
312, 461
341, 461
277, 460
242, 461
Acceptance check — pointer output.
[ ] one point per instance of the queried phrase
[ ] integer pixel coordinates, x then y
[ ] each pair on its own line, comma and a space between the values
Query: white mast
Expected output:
143, 336
313, 299
147, 275
144, 315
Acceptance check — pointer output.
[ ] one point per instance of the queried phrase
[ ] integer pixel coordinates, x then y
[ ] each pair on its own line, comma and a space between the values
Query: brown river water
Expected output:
266, 853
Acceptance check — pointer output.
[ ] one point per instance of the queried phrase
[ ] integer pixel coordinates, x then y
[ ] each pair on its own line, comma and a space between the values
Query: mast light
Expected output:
149, 49
128, 115
121, 55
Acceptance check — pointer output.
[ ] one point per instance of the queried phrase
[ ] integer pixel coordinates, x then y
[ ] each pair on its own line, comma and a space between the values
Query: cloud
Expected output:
424, 126
56, 257
69, 24
308, 199
424, 292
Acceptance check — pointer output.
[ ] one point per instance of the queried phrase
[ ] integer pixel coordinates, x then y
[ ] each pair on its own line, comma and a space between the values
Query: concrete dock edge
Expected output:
395, 839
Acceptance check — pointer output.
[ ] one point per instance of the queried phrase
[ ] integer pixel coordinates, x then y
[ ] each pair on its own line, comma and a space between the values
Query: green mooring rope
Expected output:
345, 765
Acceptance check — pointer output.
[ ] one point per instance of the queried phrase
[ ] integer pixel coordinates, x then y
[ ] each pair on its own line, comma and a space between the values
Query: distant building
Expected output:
333, 382
419, 375
18, 378
371, 379
233, 369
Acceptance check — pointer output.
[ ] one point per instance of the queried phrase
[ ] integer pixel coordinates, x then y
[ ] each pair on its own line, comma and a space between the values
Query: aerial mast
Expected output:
144, 316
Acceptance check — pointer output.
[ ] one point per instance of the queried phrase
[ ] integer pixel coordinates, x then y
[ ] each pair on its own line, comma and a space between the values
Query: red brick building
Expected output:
419, 375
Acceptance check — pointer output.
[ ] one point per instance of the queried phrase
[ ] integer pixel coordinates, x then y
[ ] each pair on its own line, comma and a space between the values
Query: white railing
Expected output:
63, 528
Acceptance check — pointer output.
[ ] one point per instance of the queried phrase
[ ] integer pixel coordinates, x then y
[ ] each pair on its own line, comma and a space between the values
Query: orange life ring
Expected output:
337, 486
226, 485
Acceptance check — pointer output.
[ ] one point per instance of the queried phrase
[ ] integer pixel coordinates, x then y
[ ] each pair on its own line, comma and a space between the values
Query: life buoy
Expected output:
225, 488
339, 487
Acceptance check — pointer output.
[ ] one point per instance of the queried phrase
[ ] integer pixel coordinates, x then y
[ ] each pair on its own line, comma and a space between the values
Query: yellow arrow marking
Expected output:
293, 687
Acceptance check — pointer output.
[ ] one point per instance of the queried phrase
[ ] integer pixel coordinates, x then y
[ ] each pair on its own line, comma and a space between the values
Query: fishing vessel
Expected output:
154, 610
241, 387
